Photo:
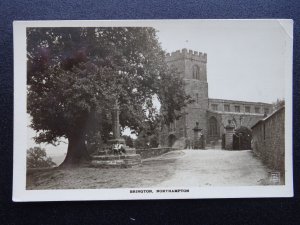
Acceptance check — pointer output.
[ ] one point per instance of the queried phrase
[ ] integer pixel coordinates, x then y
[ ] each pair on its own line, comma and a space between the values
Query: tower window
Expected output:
197, 98
257, 110
237, 108
196, 72
226, 108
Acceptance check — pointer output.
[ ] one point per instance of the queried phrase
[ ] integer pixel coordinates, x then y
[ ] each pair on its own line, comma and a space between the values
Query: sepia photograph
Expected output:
152, 109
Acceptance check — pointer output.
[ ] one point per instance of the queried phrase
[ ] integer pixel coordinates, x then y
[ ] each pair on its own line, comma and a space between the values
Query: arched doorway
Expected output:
242, 138
171, 140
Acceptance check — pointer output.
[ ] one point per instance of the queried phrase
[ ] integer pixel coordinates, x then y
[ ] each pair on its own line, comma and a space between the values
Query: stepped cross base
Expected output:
109, 159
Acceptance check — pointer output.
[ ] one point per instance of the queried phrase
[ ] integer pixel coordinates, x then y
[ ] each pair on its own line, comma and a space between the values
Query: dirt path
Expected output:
174, 169
216, 168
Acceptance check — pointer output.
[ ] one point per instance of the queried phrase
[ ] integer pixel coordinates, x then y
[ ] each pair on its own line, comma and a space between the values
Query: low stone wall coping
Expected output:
153, 152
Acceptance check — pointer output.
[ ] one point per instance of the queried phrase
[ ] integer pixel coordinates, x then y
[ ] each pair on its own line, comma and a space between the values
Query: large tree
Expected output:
76, 74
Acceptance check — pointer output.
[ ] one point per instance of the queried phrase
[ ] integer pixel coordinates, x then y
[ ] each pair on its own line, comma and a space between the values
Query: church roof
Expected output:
238, 101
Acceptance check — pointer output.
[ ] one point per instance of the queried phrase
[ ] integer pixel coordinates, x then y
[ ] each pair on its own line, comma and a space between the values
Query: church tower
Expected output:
192, 68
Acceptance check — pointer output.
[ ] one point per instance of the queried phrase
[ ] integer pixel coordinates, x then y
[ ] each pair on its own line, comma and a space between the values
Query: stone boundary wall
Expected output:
153, 152
268, 140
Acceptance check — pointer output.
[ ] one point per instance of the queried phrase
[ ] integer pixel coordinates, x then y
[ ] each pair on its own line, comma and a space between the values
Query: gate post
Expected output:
198, 137
229, 136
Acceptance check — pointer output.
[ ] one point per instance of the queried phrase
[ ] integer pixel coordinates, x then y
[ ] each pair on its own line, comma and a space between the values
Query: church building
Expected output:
210, 115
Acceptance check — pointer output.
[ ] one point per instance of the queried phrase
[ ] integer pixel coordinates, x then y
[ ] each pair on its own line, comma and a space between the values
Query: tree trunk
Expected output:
77, 152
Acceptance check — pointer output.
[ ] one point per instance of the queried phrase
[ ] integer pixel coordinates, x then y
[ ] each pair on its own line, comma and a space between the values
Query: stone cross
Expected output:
116, 121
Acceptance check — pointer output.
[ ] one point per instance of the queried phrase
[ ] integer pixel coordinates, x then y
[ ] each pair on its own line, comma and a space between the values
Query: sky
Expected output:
245, 60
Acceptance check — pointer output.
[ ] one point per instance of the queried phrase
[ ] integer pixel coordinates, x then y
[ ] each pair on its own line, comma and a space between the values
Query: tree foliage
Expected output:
278, 104
37, 158
76, 74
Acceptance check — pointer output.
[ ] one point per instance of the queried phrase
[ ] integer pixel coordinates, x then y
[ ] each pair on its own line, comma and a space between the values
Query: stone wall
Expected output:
153, 152
268, 140
229, 137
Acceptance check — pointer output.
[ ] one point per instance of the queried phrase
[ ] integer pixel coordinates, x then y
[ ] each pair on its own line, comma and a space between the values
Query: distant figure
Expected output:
118, 149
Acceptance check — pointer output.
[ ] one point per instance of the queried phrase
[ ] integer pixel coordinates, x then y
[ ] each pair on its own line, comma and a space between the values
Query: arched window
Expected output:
213, 127
196, 72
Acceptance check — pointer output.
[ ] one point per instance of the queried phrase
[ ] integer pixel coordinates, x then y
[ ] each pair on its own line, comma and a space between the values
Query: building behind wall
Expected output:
213, 115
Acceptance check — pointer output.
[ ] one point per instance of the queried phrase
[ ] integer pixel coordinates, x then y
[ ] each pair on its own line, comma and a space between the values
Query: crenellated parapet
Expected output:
189, 54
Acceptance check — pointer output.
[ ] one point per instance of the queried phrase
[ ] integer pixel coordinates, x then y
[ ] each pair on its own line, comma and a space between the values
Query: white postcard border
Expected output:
20, 131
